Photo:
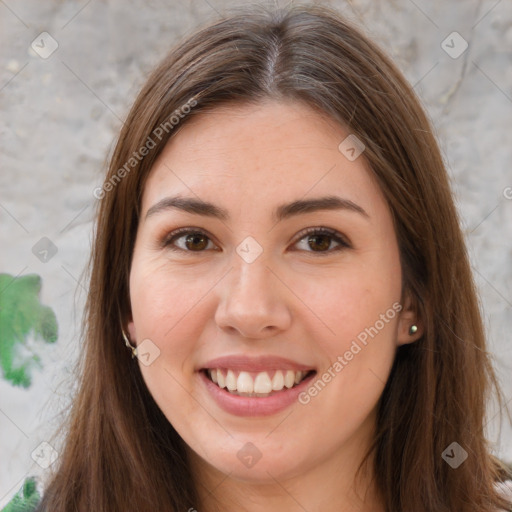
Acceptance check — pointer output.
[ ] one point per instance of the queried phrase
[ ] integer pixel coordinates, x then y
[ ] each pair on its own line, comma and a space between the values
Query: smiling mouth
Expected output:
256, 384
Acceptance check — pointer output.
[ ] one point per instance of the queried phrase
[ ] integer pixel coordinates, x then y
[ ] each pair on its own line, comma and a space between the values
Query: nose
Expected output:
253, 301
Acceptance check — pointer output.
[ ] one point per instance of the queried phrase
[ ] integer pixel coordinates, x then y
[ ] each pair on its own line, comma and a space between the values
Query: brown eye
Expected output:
319, 242
188, 240
322, 241
196, 242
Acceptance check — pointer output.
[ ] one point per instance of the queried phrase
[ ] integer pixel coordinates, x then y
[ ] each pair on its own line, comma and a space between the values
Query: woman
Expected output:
278, 247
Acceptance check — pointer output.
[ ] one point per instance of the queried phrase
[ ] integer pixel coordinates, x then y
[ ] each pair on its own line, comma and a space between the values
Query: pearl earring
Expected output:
413, 329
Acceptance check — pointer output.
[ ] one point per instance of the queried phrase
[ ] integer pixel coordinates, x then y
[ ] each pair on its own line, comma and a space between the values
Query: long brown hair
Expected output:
120, 452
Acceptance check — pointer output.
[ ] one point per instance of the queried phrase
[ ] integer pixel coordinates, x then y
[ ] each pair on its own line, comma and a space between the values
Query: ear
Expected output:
407, 318
132, 333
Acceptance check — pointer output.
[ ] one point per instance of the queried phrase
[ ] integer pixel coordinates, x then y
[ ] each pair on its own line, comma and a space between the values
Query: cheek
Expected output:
164, 299
165, 315
348, 301
359, 311
358, 347
164, 311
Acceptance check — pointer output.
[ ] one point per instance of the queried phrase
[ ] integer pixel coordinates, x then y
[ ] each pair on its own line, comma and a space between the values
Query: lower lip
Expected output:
254, 406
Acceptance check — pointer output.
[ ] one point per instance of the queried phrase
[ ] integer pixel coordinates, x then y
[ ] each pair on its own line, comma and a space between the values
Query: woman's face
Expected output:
265, 257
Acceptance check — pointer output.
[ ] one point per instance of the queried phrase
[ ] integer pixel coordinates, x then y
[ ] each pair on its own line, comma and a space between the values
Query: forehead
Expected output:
256, 154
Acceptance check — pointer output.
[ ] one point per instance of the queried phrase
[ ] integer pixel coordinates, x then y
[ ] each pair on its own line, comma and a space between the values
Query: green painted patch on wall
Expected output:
26, 500
21, 315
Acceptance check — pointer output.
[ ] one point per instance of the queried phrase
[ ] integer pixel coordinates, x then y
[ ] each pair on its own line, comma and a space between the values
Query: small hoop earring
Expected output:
413, 329
129, 345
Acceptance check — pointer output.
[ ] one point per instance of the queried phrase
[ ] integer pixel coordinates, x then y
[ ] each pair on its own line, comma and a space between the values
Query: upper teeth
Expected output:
261, 383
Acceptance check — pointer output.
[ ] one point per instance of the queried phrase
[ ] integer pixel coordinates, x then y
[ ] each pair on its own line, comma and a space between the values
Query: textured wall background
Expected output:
60, 113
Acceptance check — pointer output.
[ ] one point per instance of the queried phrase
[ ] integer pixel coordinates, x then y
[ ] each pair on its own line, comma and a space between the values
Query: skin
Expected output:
296, 301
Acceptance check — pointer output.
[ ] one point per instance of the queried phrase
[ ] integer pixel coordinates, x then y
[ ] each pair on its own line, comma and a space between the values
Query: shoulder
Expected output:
505, 489
28, 498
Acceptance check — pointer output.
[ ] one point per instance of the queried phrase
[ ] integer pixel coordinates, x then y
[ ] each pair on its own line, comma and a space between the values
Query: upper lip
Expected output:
255, 364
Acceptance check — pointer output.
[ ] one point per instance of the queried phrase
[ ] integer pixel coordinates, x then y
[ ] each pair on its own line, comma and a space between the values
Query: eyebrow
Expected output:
282, 212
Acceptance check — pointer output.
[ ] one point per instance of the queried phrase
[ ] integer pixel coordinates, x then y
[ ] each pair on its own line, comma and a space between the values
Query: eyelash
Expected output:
169, 240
